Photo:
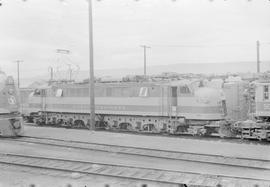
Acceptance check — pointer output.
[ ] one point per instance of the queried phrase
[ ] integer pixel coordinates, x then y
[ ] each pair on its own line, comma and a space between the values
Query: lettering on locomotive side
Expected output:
262, 106
266, 106
103, 107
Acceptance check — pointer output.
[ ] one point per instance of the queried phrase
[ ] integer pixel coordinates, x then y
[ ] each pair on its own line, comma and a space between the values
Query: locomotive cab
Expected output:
197, 102
196, 108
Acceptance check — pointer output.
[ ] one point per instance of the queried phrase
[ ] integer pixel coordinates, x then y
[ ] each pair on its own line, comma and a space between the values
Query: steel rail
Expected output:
82, 167
213, 159
118, 171
237, 139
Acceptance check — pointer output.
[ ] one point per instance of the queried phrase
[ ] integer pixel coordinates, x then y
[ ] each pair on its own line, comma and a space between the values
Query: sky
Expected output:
180, 31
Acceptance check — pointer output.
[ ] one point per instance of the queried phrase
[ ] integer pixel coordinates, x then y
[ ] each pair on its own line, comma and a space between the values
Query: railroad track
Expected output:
212, 159
185, 136
92, 168
121, 171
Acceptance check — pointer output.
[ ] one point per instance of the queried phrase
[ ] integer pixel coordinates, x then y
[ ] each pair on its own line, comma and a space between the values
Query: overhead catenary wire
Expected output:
207, 45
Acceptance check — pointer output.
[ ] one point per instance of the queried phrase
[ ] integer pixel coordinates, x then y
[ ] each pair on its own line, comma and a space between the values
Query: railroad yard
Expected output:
47, 156
136, 93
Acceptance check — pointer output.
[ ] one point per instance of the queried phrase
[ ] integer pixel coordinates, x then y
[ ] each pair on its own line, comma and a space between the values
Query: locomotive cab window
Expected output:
36, 92
31, 94
39, 92
184, 90
143, 92
266, 92
59, 93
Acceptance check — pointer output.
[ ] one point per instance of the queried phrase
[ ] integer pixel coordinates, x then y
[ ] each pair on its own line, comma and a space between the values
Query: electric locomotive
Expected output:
178, 107
11, 123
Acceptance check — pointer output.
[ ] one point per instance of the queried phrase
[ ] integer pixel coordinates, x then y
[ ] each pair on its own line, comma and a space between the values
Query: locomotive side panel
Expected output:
144, 101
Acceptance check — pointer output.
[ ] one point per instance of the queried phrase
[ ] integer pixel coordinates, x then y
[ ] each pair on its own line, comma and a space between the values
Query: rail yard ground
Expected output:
70, 157
218, 147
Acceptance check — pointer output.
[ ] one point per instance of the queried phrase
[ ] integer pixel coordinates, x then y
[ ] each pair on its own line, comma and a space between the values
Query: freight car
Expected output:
11, 123
179, 107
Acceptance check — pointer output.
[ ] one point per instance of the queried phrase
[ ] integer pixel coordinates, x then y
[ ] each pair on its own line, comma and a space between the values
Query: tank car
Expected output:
181, 107
11, 123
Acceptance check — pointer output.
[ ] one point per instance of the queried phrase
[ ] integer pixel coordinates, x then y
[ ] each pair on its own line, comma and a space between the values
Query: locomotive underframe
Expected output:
150, 124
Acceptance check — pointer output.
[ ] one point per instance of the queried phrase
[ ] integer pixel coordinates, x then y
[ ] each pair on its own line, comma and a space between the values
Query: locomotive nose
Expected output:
11, 123
11, 126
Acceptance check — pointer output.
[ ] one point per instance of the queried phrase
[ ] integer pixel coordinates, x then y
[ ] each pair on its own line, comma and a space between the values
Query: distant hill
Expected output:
197, 68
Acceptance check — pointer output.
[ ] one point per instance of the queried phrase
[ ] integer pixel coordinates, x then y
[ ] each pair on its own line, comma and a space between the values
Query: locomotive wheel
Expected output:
78, 124
125, 126
38, 121
60, 122
100, 125
181, 129
149, 128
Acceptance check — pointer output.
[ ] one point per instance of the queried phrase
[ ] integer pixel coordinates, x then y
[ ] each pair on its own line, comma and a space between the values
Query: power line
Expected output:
206, 45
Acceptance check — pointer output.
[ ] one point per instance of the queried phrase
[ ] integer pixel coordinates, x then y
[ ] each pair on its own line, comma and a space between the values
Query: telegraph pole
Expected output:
18, 72
91, 69
144, 58
258, 56
51, 73
69, 72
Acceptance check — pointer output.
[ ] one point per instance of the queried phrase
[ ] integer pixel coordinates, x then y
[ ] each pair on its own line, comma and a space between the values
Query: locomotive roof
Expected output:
141, 84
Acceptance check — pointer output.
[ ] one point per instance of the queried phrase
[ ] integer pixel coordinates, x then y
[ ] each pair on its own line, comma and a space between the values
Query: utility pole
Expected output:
91, 69
69, 71
18, 71
51, 73
258, 56
144, 58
